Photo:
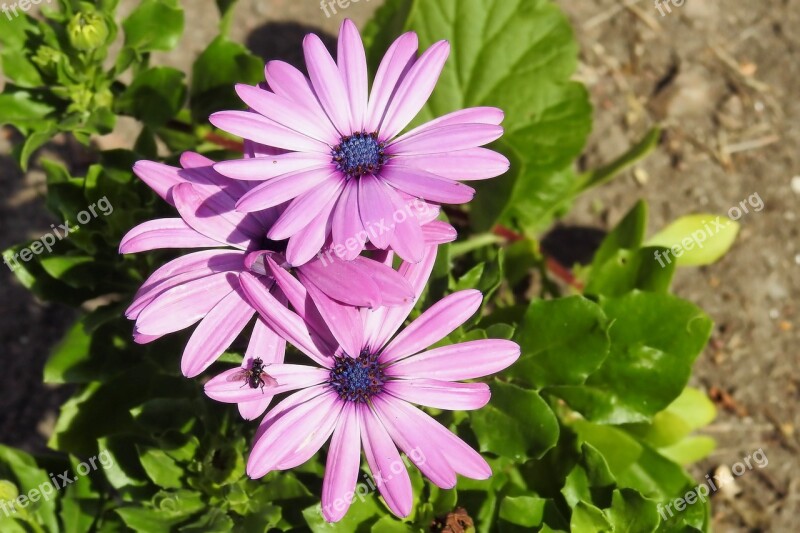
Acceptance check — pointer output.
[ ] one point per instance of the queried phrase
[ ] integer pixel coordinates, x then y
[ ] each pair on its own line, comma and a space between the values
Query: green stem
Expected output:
473, 243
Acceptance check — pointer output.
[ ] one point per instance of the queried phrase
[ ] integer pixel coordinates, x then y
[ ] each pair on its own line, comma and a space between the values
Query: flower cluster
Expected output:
327, 168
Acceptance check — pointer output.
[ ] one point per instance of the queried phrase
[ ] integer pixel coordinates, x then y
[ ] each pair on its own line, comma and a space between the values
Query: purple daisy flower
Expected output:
344, 170
204, 286
364, 397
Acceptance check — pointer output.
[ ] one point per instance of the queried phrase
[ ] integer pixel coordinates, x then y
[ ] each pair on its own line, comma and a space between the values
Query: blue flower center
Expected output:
357, 379
359, 154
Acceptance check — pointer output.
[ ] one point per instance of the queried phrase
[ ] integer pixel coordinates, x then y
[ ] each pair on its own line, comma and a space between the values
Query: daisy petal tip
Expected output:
331, 515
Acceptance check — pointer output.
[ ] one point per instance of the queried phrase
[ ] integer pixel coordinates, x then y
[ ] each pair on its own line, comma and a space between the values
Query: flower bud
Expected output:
47, 58
87, 31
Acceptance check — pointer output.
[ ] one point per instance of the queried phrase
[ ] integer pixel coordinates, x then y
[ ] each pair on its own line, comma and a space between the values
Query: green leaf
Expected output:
517, 55
627, 235
72, 351
655, 339
74, 270
629, 270
689, 450
361, 511
696, 240
630, 512
161, 468
499, 431
34, 141
155, 96
29, 477
694, 407
214, 74
635, 153
154, 25
390, 524
22, 108
618, 449
563, 341
691, 410
586, 518
525, 511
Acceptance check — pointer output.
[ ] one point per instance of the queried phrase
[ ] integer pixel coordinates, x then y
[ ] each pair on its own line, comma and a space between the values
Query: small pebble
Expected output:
796, 184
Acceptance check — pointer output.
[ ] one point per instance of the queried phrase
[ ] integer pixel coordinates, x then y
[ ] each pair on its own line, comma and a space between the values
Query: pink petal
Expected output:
438, 232
466, 360
182, 306
327, 82
284, 188
158, 176
393, 68
290, 83
297, 294
461, 458
164, 233
384, 461
446, 139
199, 171
140, 338
394, 288
215, 333
440, 394
376, 210
344, 321
214, 217
226, 388
287, 113
470, 164
296, 436
342, 467
426, 185
437, 322
265, 168
254, 127
270, 348
346, 228
264, 344
308, 242
253, 149
352, 62
423, 211
380, 324
471, 115
415, 89
288, 404
304, 208
417, 446
279, 318
181, 270
253, 410
343, 281
407, 240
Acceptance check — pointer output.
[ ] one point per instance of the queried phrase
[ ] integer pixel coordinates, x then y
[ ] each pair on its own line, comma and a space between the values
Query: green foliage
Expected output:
588, 431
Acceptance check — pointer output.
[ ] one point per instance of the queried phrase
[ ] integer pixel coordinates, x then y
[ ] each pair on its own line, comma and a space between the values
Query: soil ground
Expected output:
718, 76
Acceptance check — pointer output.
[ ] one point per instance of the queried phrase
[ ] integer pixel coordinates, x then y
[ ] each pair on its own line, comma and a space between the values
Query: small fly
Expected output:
255, 376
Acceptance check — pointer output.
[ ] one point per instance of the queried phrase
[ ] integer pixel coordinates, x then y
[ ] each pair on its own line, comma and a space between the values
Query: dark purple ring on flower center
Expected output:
357, 379
358, 154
